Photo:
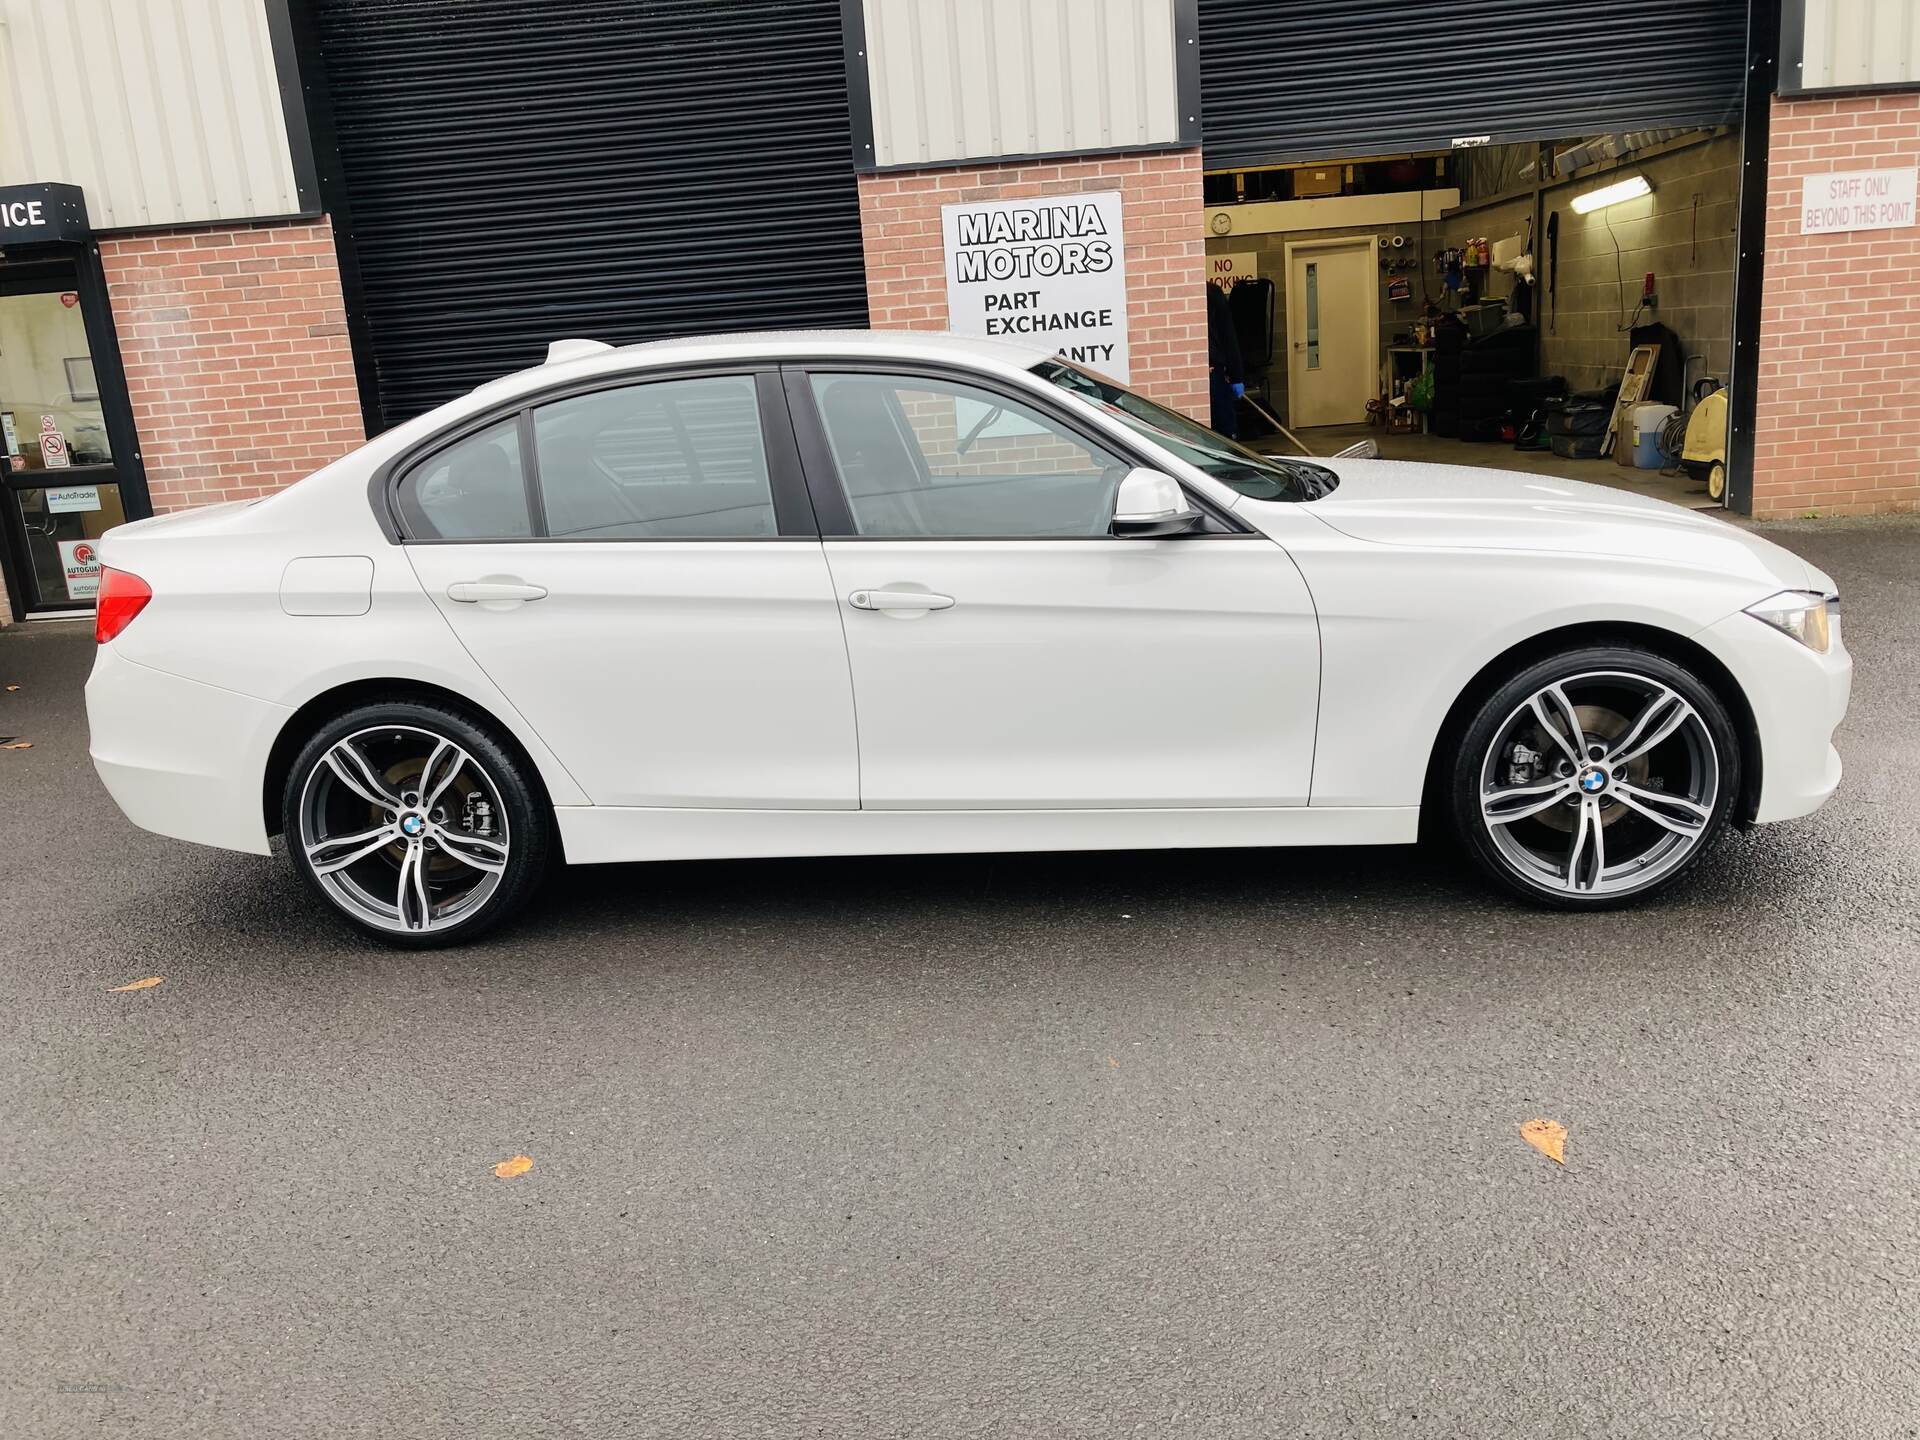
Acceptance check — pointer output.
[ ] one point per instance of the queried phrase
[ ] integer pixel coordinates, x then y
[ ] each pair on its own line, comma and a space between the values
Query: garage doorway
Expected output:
1333, 331
1554, 195
1485, 307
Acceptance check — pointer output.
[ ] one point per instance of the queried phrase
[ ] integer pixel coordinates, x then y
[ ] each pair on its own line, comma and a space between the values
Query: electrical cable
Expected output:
1620, 284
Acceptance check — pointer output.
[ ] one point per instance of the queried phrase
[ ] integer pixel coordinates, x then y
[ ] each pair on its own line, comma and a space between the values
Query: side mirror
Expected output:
1149, 505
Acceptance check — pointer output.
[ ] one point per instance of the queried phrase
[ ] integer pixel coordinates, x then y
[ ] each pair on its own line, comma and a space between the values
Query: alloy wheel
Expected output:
404, 829
1599, 783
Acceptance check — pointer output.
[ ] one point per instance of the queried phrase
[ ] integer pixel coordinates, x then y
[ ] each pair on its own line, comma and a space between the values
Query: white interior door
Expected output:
1333, 329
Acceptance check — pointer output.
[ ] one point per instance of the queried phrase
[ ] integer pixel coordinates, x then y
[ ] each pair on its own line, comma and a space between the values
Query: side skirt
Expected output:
606, 834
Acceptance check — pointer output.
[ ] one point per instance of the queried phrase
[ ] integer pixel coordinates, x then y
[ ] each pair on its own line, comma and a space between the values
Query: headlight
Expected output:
1808, 616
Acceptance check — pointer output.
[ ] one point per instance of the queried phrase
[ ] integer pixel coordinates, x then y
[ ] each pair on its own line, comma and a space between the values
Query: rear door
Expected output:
1008, 652
636, 566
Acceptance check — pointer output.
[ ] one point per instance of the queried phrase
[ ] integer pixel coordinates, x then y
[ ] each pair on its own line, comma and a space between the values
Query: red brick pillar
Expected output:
238, 367
1838, 425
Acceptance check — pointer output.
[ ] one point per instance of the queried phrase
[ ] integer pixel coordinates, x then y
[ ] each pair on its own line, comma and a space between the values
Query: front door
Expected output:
636, 568
1333, 357
1008, 652
61, 481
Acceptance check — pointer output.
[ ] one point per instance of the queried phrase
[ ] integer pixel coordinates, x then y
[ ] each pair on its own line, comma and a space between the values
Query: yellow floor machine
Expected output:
1703, 453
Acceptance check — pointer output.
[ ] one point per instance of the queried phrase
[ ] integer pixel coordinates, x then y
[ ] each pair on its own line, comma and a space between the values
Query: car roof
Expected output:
762, 345
931, 343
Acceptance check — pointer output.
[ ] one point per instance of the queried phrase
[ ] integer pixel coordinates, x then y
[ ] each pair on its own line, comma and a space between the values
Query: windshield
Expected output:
1257, 476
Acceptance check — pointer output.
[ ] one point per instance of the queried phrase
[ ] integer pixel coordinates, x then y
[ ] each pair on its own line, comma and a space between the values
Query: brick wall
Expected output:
1165, 252
1838, 430
235, 346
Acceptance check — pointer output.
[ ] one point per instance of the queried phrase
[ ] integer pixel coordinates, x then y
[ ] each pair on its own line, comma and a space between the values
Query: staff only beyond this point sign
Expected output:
1857, 200
1050, 272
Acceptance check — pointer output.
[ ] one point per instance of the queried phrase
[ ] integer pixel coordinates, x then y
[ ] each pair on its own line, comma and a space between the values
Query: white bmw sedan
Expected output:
845, 593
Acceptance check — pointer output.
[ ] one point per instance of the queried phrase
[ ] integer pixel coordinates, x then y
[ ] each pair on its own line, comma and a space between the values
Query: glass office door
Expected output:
60, 479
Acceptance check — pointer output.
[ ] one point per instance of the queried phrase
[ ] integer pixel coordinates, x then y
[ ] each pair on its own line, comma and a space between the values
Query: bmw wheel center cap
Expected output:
1593, 779
412, 825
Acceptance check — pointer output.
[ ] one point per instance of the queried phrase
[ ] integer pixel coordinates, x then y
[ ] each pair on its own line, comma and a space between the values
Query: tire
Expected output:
1717, 481
1658, 781
464, 850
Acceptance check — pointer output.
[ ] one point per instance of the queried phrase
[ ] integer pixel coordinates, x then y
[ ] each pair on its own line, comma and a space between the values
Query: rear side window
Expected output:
670, 459
472, 490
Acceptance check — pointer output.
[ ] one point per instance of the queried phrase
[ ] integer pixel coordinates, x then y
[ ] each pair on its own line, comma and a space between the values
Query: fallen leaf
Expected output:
146, 984
518, 1165
1113, 1062
12, 688
17, 745
1549, 1137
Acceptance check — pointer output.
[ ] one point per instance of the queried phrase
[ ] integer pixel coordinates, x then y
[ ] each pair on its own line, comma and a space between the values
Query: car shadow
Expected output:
1340, 909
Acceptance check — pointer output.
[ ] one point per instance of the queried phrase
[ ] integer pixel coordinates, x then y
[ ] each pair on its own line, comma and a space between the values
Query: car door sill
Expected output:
600, 834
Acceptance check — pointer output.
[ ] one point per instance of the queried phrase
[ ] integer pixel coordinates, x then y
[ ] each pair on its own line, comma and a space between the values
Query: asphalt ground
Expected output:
1164, 1144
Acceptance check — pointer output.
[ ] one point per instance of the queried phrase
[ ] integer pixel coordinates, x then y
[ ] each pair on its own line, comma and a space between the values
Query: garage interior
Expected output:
1484, 306
1459, 234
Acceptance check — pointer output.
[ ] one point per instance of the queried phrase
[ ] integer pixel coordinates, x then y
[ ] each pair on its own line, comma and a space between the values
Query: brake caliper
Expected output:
476, 816
1523, 765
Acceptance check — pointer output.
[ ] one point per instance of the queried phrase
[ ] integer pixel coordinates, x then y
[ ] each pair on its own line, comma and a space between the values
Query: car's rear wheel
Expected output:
415, 823
1596, 776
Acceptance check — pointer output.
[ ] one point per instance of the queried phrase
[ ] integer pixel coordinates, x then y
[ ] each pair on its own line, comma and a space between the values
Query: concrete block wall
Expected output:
238, 367
1165, 252
1838, 407
1689, 247
1683, 232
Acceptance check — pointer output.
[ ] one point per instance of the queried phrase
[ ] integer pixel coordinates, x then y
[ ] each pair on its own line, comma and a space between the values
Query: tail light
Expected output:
122, 596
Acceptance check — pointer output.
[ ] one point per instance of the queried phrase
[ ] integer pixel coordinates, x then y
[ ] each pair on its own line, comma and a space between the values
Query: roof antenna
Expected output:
561, 351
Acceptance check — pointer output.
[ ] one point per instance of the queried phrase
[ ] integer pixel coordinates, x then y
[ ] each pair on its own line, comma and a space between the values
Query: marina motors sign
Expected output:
1050, 271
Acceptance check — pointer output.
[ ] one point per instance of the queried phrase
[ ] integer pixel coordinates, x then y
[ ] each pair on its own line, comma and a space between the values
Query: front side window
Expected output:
1260, 477
925, 457
472, 490
668, 459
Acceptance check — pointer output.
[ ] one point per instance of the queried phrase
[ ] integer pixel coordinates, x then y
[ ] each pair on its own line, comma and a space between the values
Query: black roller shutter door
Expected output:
519, 172
1318, 79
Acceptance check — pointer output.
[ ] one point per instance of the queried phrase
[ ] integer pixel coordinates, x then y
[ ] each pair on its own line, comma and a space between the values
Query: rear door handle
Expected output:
479, 592
899, 600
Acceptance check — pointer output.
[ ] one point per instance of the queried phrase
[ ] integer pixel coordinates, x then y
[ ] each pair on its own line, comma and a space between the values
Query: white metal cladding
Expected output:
973, 79
1849, 43
165, 112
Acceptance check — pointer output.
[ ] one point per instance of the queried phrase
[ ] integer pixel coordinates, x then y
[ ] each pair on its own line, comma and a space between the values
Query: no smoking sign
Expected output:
53, 445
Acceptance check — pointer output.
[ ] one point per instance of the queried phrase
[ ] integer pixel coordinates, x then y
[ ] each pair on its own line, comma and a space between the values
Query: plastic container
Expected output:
1647, 422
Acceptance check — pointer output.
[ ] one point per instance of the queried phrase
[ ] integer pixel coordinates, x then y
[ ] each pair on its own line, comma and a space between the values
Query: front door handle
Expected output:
899, 600
480, 592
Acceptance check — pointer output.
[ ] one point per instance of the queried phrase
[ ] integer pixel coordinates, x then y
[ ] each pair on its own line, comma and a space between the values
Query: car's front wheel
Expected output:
1597, 775
415, 823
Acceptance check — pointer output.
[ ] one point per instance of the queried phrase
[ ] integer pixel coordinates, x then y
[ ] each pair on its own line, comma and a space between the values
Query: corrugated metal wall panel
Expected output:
1855, 43
1310, 79
164, 114
973, 79
621, 169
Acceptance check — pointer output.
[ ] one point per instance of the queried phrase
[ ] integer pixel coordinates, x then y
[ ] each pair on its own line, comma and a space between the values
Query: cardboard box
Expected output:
1314, 181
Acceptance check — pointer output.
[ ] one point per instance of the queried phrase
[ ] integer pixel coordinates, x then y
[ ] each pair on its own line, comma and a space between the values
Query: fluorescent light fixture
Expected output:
1631, 188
